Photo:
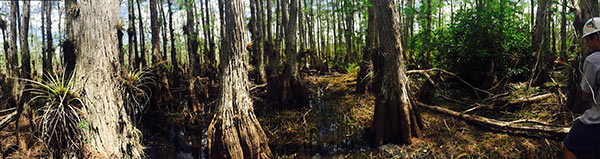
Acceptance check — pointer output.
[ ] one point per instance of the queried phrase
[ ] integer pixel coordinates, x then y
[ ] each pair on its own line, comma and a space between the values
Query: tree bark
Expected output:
50, 46
192, 41
172, 34
12, 55
155, 29
541, 44
163, 28
361, 82
394, 120
93, 32
293, 87
563, 31
43, 28
234, 131
142, 59
257, 28
132, 32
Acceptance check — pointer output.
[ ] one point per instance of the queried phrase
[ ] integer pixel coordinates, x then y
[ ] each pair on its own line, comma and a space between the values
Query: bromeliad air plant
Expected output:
59, 110
137, 88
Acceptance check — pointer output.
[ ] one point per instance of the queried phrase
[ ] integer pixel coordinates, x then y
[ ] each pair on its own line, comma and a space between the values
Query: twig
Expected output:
475, 89
257, 86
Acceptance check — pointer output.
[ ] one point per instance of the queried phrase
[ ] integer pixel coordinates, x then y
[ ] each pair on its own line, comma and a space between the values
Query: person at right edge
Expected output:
583, 140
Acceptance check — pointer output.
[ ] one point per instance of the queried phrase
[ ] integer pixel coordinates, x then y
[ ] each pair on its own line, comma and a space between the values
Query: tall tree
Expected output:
163, 28
541, 44
361, 82
24, 42
234, 131
563, 31
209, 37
132, 34
394, 120
12, 55
23, 108
142, 58
94, 35
257, 28
293, 88
5, 44
50, 46
192, 41
155, 29
43, 28
172, 34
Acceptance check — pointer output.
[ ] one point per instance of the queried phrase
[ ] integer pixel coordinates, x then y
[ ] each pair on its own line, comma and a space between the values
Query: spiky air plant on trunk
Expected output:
137, 91
58, 110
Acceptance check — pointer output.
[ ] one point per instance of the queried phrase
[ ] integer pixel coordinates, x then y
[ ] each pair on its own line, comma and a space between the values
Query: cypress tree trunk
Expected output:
394, 119
258, 41
293, 87
43, 28
12, 54
361, 82
192, 41
93, 33
234, 131
163, 20
155, 29
541, 44
50, 47
142, 58
172, 34
132, 32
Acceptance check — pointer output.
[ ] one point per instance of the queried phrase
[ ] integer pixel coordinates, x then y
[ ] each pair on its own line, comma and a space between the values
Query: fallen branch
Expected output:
257, 86
530, 99
512, 127
424, 72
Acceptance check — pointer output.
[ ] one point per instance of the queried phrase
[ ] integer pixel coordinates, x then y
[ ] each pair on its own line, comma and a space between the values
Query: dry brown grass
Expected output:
444, 136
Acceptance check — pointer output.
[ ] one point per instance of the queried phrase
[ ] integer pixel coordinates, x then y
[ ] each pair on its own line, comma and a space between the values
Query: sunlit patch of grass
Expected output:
58, 107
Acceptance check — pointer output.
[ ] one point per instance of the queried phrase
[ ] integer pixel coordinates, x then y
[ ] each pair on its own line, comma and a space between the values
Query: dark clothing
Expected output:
583, 139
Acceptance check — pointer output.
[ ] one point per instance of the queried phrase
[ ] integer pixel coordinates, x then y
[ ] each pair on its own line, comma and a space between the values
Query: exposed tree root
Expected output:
534, 128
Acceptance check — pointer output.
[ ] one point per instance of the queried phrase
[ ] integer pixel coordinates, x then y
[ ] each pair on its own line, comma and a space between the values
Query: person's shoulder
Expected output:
594, 58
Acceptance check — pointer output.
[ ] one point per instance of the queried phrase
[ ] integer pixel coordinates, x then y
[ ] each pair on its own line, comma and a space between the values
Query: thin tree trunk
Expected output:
541, 43
362, 83
43, 28
172, 34
163, 28
95, 40
294, 89
12, 55
563, 31
132, 32
142, 58
26, 73
394, 120
50, 47
192, 41
155, 29
234, 131
258, 41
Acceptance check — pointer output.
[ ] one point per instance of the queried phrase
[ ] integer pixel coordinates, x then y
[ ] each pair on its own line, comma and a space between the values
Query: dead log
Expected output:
535, 129
530, 99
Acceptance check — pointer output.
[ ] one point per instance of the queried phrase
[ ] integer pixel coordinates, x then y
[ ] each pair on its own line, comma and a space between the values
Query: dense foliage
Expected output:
494, 32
